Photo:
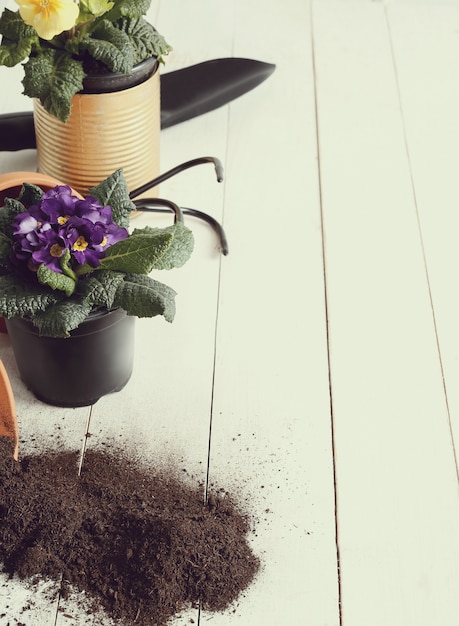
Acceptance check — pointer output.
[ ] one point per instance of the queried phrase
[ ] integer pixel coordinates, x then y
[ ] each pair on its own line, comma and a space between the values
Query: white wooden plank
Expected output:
426, 50
398, 510
22, 604
271, 422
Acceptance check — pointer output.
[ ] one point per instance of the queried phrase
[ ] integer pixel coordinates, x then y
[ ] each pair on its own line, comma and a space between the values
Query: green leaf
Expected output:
82, 270
145, 39
61, 319
110, 46
22, 299
55, 280
89, 8
30, 194
65, 266
5, 250
9, 211
5, 222
14, 207
54, 78
138, 254
142, 296
128, 8
13, 27
12, 53
114, 191
99, 289
179, 250
18, 38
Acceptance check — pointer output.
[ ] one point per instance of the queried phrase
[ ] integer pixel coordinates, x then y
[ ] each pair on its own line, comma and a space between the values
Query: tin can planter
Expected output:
115, 122
97, 358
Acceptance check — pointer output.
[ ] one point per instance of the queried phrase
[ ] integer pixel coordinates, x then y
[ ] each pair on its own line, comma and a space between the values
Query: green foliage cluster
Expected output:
113, 35
57, 303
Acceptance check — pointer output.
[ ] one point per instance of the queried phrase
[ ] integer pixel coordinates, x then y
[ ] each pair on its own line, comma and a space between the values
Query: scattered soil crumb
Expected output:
140, 542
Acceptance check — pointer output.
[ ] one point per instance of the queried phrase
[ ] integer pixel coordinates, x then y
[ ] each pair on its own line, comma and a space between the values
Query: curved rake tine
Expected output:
218, 228
159, 205
176, 170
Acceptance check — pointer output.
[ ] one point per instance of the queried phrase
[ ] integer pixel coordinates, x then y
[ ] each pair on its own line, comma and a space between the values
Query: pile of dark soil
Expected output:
141, 543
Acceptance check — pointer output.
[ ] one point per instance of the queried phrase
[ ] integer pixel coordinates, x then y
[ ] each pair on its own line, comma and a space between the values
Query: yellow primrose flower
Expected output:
49, 17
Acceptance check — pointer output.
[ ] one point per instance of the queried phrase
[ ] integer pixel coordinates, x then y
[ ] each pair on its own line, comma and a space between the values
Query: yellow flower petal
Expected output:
49, 17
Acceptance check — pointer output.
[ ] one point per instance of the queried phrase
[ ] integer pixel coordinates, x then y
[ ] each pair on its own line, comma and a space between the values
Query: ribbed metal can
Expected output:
105, 132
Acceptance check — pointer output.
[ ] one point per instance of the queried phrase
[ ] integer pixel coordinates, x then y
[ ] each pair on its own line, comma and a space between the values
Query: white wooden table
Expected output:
314, 371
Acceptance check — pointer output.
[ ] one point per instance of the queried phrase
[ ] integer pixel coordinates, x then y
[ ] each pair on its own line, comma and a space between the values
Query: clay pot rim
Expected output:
15, 180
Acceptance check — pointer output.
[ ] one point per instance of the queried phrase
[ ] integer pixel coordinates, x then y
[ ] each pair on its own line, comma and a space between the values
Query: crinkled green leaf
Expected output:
14, 206
12, 26
5, 250
54, 78
12, 53
5, 221
145, 39
138, 254
110, 46
128, 8
30, 194
62, 318
99, 289
55, 280
64, 262
24, 299
72, 45
114, 191
179, 250
10, 209
142, 296
18, 38
89, 8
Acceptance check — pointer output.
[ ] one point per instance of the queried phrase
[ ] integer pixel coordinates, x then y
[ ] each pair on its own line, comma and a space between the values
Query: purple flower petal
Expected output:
24, 223
52, 248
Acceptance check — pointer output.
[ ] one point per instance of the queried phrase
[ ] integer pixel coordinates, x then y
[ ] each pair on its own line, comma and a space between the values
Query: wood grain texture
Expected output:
398, 511
426, 53
271, 427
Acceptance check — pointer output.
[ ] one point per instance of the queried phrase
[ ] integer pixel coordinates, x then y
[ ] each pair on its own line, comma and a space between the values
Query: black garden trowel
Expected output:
185, 93
201, 88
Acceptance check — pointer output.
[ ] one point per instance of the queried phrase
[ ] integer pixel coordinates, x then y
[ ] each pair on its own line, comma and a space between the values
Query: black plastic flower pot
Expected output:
111, 82
97, 359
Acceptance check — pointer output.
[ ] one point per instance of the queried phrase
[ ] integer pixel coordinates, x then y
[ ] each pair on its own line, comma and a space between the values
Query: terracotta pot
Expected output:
95, 360
11, 183
115, 122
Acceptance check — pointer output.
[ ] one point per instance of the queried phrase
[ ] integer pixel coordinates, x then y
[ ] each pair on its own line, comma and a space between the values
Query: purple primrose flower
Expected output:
49, 250
59, 222
57, 204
